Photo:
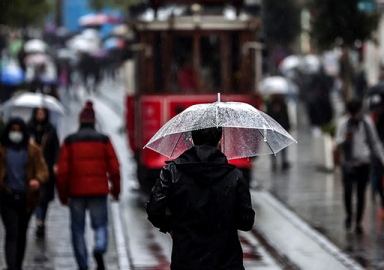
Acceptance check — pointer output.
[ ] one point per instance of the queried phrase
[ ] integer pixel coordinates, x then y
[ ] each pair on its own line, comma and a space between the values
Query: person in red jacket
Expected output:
87, 171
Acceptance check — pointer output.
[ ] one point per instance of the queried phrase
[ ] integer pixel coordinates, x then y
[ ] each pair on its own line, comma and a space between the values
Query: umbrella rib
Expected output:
266, 142
181, 134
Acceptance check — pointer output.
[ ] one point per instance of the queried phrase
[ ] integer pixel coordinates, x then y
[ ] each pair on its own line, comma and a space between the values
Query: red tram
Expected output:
188, 53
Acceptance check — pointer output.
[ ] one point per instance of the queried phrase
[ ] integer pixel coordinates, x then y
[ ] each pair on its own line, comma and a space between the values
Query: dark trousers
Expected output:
284, 158
355, 177
15, 220
377, 171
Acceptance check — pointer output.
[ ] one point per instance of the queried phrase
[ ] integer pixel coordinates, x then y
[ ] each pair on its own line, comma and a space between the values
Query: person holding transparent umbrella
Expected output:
201, 199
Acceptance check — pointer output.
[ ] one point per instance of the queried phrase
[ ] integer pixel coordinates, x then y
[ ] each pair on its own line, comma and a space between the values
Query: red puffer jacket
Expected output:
87, 161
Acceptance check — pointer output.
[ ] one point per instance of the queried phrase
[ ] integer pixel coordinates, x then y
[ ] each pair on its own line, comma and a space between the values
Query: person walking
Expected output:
87, 165
277, 108
358, 140
44, 134
377, 169
202, 200
320, 111
22, 172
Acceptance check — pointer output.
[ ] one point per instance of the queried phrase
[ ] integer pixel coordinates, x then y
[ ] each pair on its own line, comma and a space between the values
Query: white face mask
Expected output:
15, 136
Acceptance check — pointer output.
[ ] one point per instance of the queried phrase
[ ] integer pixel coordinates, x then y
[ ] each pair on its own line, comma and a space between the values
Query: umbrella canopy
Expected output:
96, 20
35, 46
277, 85
312, 64
114, 43
91, 35
120, 30
36, 59
78, 43
33, 100
290, 63
12, 75
247, 132
65, 54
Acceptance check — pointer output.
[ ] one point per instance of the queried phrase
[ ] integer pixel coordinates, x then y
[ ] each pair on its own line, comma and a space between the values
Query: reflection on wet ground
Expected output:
317, 197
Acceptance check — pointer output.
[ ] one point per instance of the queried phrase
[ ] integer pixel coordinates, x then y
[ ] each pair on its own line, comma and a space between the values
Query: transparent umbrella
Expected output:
35, 46
278, 85
247, 132
290, 63
33, 100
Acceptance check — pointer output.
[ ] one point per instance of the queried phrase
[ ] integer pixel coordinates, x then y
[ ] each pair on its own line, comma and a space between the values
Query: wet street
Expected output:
317, 198
134, 243
280, 239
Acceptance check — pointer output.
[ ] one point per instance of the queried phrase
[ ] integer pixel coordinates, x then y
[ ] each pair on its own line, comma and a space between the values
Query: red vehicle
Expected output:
185, 60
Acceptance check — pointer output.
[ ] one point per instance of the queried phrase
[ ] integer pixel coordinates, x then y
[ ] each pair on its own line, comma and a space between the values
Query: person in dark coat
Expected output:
202, 200
277, 108
22, 172
320, 109
44, 134
90, 68
377, 169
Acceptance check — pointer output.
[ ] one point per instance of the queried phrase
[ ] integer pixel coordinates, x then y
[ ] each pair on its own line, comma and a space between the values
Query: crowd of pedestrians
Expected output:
32, 165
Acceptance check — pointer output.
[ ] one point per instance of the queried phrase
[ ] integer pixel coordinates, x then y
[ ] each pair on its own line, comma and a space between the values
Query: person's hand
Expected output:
115, 198
34, 185
55, 169
64, 202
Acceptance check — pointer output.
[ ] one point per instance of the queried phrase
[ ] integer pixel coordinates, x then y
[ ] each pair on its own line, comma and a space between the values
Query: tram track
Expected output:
284, 262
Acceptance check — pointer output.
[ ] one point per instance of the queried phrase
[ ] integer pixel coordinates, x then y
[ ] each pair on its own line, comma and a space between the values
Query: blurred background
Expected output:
144, 61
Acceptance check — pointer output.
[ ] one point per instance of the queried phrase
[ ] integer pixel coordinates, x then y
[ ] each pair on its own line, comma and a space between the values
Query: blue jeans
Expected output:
41, 211
98, 208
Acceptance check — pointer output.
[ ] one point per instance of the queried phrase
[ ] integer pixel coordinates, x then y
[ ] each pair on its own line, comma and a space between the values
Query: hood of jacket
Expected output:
204, 164
4, 139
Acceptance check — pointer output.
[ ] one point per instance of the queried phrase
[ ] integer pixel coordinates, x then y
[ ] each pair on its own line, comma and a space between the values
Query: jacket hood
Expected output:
204, 164
4, 139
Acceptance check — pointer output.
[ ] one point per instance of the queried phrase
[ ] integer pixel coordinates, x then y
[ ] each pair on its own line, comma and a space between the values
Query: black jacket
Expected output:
278, 110
320, 111
45, 136
203, 200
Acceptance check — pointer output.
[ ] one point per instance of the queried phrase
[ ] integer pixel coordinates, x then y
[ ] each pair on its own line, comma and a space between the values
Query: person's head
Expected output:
277, 97
40, 115
87, 115
209, 136
354, 108
15, 134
